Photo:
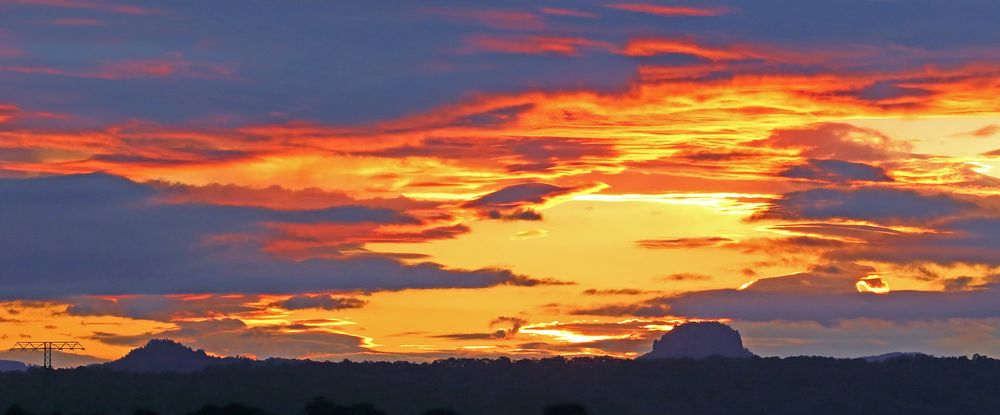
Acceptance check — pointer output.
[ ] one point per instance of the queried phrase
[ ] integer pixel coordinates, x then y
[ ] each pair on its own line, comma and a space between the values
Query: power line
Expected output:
46, 348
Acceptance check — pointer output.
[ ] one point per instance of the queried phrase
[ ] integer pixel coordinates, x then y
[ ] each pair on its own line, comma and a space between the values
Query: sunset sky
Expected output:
384, 180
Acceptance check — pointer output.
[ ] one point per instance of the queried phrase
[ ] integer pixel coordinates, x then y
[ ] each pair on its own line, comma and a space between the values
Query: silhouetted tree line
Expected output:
804, 385
320, 406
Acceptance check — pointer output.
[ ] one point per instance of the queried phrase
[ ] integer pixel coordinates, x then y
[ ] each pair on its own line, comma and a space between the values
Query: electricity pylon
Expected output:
46, 348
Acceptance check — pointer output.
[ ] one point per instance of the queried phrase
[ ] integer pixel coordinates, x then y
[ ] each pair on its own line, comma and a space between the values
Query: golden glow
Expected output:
568, 336
729, 203
44, 321
673, 156
873, 284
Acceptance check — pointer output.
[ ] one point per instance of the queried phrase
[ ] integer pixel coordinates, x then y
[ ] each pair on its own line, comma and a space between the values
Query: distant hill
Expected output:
894, 355
12, 366
60, 359
161, 355
699, 340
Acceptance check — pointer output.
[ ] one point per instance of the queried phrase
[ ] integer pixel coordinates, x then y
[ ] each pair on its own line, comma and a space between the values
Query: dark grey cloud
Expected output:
973, 240
825, 294
159, 307
867, 337
530, 154
325, 302
958, 283
231, 337
520, 201
887, 90
885, 205
276, 197
829, 307
686, 276
519, 194
506, 327
352, 61
963, 240
836, 171
102, 235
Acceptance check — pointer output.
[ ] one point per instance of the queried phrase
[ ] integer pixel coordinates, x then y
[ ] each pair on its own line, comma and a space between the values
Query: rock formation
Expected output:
699, 340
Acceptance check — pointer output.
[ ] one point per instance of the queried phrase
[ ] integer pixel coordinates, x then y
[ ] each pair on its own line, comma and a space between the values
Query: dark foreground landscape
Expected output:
806, 385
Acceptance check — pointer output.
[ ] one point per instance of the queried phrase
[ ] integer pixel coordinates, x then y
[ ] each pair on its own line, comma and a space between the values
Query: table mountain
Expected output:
699, 340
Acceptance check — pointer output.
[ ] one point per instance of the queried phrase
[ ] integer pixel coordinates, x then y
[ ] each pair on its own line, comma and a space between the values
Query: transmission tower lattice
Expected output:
46, 348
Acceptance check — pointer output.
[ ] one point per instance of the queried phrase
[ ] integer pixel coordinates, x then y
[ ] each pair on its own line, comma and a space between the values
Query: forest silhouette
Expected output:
552, 386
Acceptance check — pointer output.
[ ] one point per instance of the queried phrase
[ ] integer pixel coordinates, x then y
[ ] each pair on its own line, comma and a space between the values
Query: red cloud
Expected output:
532, 45
10, 52
85, 5
172, 66
7, 112
837, 141
669, 10
499, 19
72, 22
568, 12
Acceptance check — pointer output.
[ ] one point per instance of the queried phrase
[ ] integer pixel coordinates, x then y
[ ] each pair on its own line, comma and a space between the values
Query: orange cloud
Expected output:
661, 46
685, 243
986, 131
640, 140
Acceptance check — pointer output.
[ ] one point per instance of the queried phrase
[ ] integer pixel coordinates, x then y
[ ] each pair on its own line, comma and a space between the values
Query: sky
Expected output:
398, 180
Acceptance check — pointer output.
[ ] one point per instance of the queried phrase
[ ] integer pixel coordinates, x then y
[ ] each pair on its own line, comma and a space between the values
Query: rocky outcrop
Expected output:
699, 340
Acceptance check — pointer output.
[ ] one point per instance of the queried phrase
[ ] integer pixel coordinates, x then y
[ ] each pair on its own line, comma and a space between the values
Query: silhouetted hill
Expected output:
60, 359
699, 340
12, 366
894, 355
161, 355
